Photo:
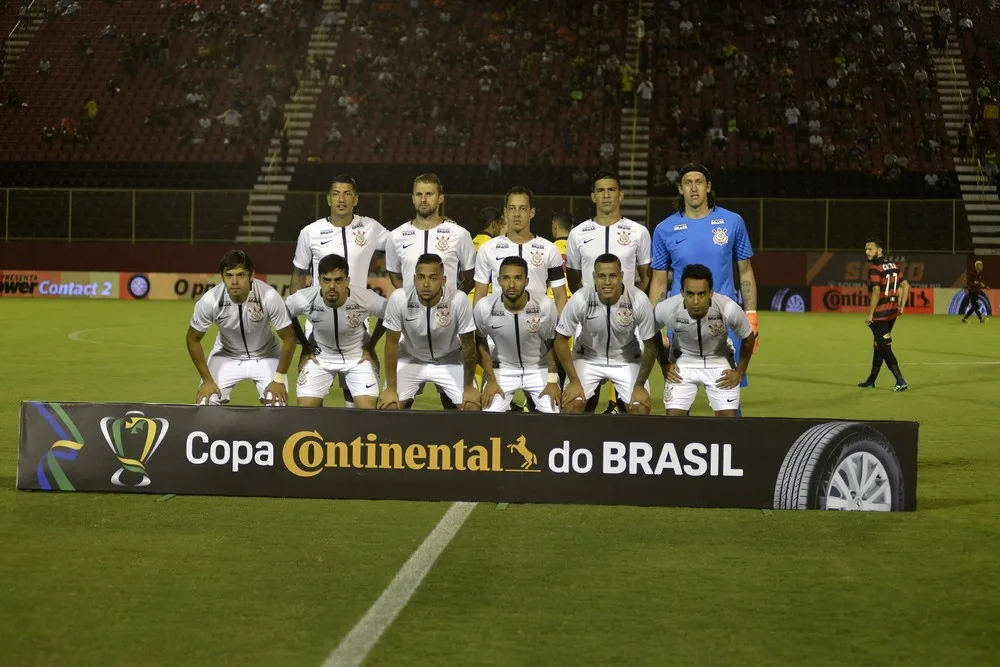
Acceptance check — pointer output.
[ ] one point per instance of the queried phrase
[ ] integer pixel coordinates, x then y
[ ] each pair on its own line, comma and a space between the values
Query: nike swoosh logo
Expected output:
730, 400
222, 317
407, 246
594, 317
369, 386
325, 242
496, 327
588, 240
679, 241
414, 319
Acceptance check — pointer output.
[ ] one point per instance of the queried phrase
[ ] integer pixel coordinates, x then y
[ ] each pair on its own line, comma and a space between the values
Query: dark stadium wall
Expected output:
772, 268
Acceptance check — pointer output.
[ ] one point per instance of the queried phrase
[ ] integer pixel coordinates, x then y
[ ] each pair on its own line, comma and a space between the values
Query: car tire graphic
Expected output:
840, 466
787, 300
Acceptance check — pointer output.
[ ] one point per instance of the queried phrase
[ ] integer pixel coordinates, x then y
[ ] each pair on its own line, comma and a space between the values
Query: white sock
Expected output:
349, 405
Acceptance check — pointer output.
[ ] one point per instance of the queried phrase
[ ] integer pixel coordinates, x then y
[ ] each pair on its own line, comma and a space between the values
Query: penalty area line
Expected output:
359, 642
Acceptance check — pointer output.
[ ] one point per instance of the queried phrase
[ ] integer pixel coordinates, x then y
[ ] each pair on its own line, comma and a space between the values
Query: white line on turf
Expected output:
359, 642
77, 337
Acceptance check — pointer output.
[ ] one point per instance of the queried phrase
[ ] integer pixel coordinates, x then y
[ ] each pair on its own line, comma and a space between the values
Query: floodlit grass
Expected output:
94, 579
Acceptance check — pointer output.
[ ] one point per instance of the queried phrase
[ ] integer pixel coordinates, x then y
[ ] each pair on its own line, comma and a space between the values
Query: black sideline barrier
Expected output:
526, 458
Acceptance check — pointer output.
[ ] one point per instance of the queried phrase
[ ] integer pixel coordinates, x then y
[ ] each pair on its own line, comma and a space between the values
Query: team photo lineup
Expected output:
480, 319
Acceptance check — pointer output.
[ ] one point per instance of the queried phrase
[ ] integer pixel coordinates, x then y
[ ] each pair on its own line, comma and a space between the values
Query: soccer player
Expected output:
522, 326
608, 232
356, 238
244, 309
605, 317
494, 225
430, 233
702, 233
338, 344
562, 223
439, 341
545, 266
974, 286
888, 299
701, 353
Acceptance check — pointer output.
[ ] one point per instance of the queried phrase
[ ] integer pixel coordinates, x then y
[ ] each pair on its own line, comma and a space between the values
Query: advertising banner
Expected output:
191, 286
59, 284
839, 299
334, 453
784, 299
956, 302
849, 269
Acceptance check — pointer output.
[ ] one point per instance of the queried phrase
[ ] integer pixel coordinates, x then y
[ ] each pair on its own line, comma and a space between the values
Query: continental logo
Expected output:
307, 453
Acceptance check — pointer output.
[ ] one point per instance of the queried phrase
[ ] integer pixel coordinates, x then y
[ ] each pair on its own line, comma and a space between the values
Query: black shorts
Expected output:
882, 329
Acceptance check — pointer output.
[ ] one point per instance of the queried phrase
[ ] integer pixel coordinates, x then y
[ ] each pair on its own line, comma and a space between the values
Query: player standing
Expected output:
608, 232
605, 317
888, 299
244, 309
439, 342
702, 233
545, 265
522, 326
974, 287
494, 225
338, 344
701, 352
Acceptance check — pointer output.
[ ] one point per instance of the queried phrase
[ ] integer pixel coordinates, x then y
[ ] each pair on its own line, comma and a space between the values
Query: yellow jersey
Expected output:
561, 245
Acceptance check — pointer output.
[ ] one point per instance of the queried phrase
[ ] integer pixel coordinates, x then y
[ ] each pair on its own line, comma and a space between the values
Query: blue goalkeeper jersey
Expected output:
717, 240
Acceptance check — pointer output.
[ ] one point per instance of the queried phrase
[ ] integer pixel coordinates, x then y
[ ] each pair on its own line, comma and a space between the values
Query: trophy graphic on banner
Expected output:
133, 439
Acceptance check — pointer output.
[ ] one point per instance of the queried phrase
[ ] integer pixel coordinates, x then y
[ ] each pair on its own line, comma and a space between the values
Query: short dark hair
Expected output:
520, 190
608, 258
344, 178
430, 258
563, 220
430, 178
488, 215
235, 259
698, 272
605, 173
333, 263
514, 260
876, 240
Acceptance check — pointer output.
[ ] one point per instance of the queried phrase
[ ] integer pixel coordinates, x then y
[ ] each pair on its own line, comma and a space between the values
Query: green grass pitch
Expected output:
95, 579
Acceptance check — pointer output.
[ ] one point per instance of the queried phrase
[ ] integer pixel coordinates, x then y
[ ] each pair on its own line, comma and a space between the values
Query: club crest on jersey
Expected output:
717, 329
625, 316
624, 237
719, 236
355, 319
442, 243
443, 315
536, 257
359, 237
254, 311
534, 324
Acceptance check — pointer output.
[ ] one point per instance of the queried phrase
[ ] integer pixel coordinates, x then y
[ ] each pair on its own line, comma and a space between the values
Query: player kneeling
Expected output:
522, 327
606, 316
337, 345
244, 309
701, 353
439, 340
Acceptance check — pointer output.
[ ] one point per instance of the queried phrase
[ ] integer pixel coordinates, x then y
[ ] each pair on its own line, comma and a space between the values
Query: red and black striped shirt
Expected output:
974, 281
885, 275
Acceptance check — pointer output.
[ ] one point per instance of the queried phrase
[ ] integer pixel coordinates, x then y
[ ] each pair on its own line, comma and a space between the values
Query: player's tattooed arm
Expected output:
470, 357
658, 282
298, 280
748, 284
650, 352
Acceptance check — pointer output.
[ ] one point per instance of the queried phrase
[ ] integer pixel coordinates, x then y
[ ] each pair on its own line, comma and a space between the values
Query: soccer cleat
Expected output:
514, 407
965, 320
612, 408
901, 386
867, 384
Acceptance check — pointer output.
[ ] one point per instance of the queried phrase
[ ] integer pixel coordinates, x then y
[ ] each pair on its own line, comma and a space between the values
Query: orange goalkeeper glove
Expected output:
752, 316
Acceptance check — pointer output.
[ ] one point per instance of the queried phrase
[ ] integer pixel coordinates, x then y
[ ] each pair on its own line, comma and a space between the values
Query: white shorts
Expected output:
228, 372
681, 396
317, 376
532, 381
412, 374
593, 375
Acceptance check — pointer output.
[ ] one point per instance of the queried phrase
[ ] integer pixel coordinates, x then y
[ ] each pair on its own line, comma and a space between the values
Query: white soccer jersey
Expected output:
430, 334
607, 334
244, 328
545, 264
521, 338
356, 243
702, 343
339, 333
449, 240
626, 239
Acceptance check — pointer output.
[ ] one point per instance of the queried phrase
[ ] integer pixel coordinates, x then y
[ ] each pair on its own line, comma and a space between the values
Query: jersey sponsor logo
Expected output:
360, 238
409, 232
718, 221
719, 236
502, 245
442, 243
326, 231
536, 257
680, 228
624, 237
